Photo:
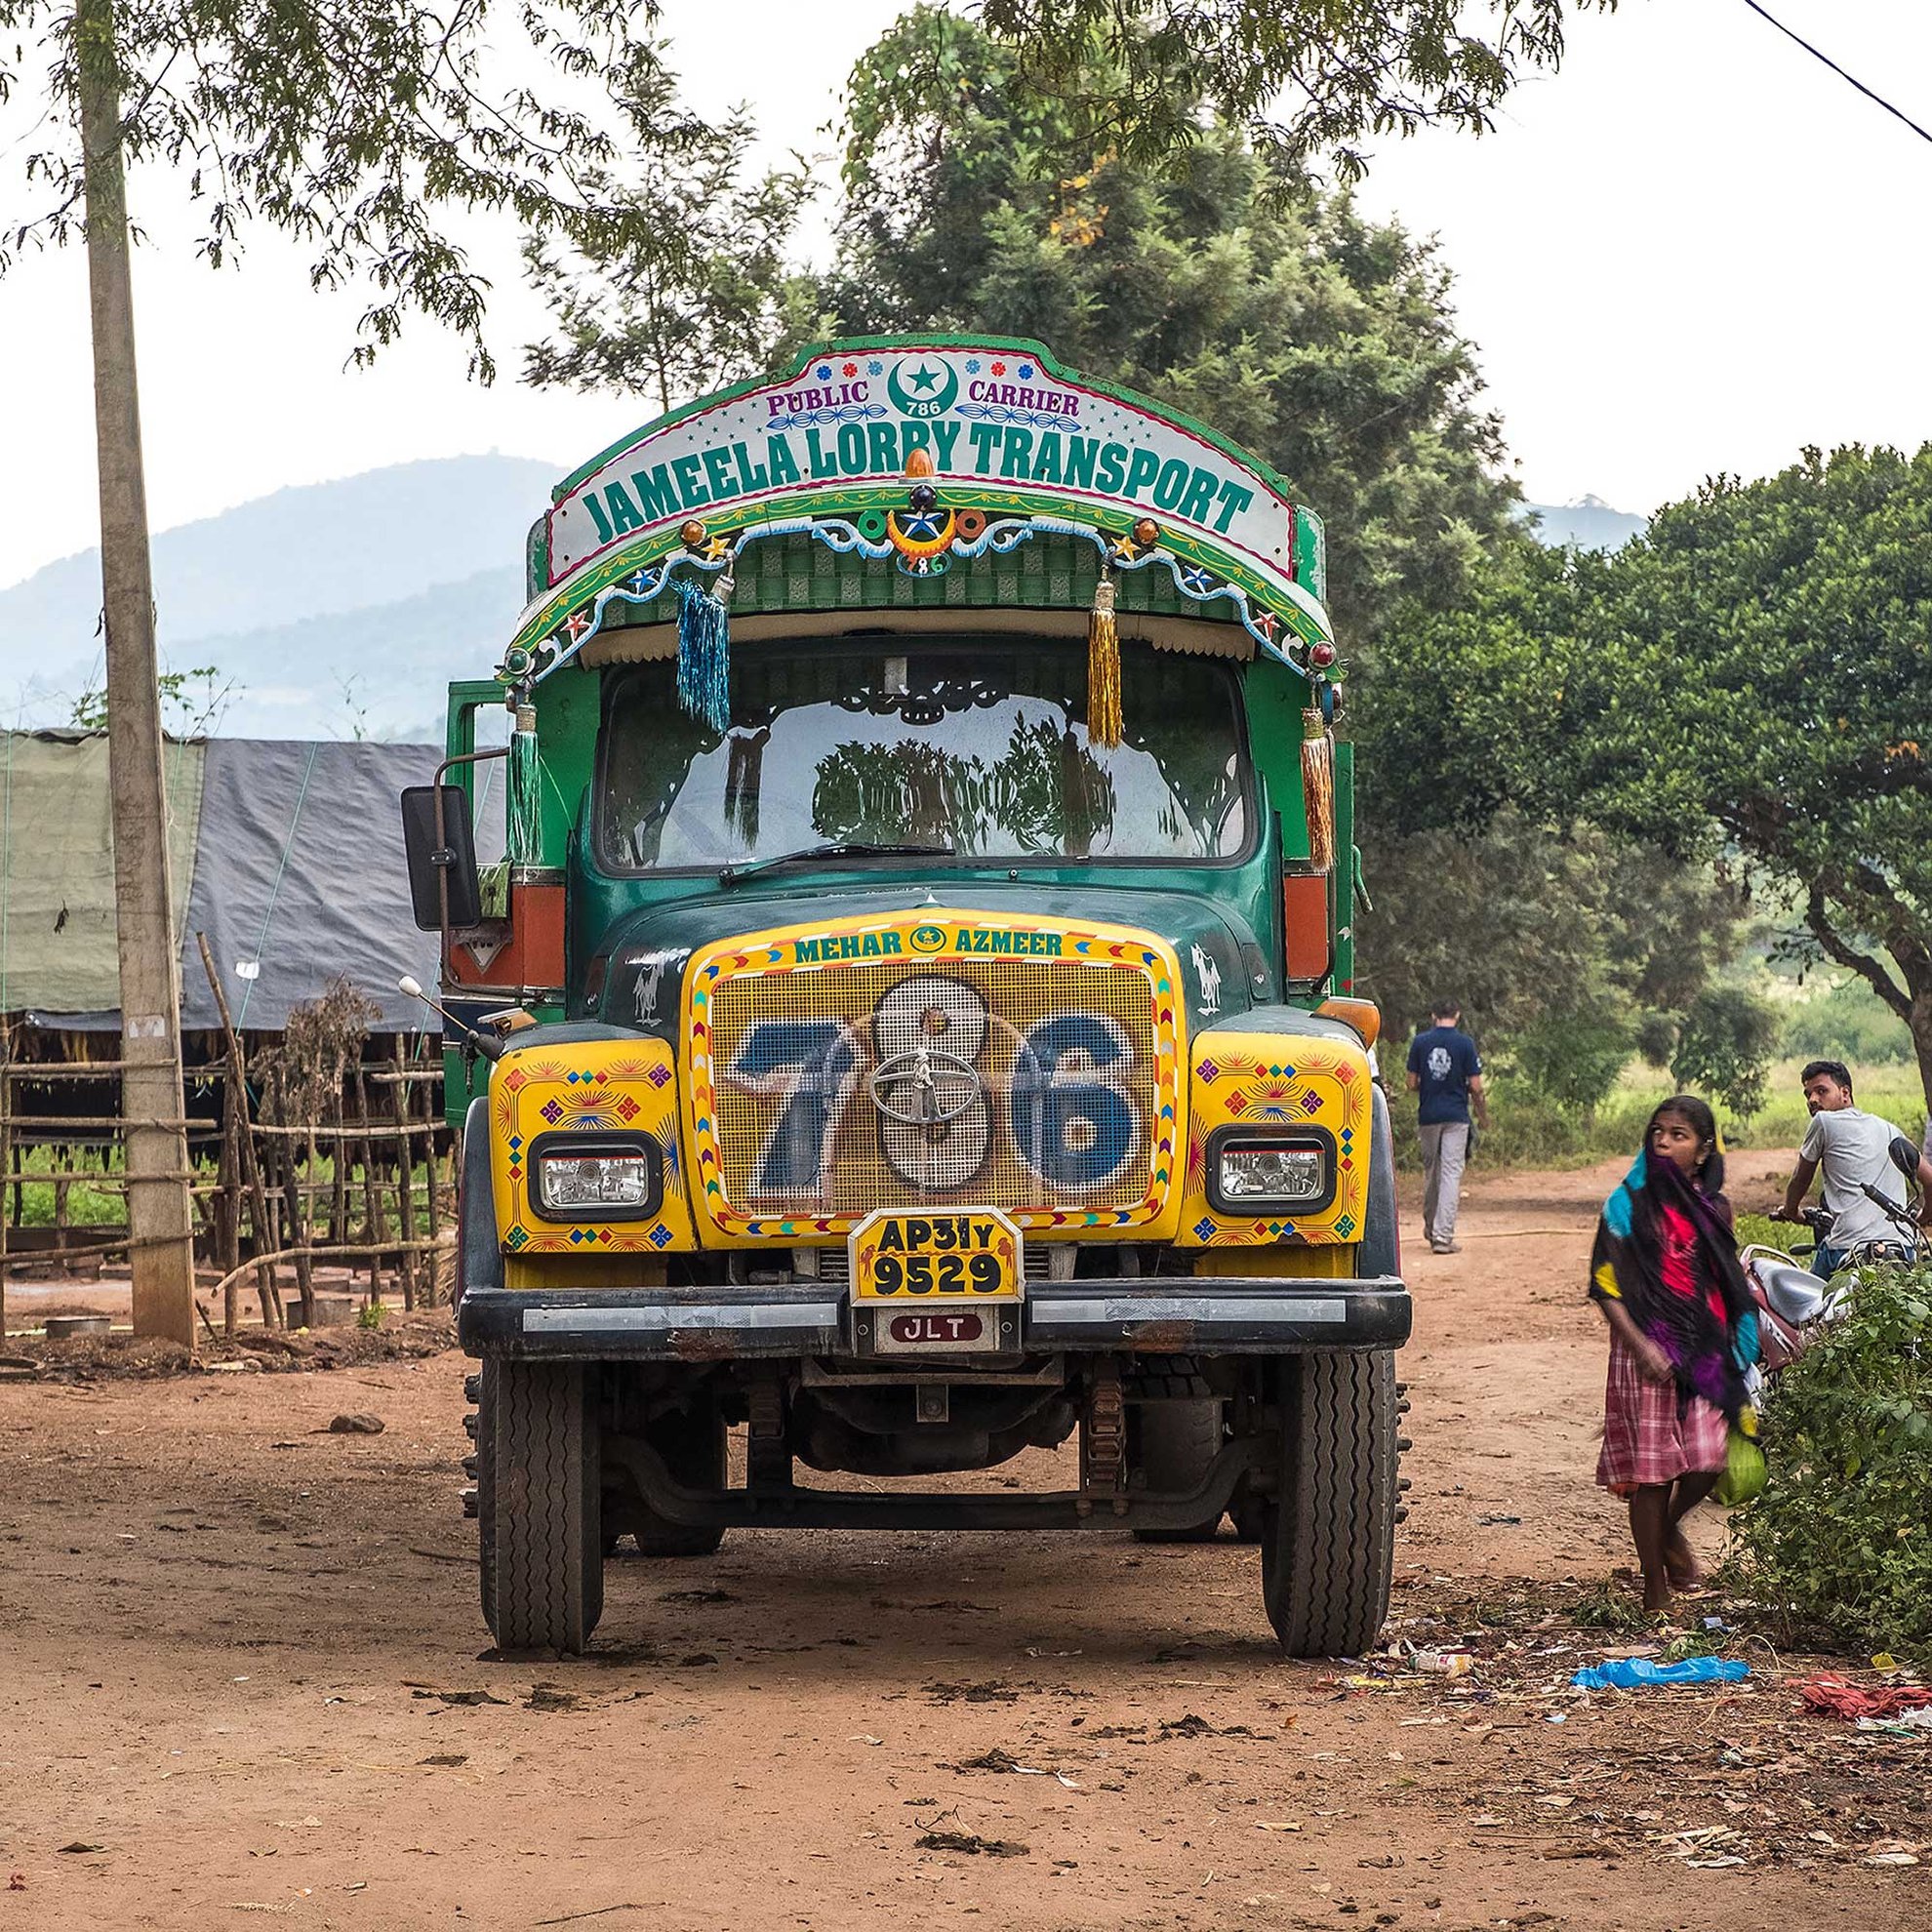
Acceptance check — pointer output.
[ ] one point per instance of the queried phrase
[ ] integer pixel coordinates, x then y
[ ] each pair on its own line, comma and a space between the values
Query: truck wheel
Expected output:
692, 1442
1328, 1535
1172, 1444
540, 1539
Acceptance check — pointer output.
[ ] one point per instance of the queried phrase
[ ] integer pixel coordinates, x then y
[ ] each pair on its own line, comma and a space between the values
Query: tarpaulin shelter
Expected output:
287, 855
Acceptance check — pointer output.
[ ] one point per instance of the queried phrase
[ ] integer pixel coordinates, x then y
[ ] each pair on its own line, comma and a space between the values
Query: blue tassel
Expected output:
704, 653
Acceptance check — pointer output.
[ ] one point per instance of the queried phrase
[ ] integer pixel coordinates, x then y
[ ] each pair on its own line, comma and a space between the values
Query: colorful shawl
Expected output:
1710, 1333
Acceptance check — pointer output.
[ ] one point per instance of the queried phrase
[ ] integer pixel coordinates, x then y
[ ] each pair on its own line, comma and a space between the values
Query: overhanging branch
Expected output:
1837, 949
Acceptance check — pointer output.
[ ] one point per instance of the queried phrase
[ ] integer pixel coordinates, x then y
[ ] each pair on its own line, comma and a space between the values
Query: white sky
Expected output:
1695, 249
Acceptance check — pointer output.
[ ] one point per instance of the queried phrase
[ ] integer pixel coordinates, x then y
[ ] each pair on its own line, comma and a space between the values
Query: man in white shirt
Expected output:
1853, 1149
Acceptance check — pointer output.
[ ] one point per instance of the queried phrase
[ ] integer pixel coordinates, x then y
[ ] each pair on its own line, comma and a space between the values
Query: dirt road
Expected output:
240, 1672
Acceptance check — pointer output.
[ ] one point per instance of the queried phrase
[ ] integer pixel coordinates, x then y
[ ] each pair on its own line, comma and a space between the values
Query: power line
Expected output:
1816, 55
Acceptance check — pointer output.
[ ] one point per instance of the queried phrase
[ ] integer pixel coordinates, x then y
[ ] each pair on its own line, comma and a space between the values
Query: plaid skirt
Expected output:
1645, 1440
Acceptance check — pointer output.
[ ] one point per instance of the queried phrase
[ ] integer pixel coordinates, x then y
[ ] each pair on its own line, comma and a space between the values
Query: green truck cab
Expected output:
913, 1020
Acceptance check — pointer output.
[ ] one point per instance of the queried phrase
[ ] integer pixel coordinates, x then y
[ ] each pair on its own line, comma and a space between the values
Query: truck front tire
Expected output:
1328, 1533
539, 1541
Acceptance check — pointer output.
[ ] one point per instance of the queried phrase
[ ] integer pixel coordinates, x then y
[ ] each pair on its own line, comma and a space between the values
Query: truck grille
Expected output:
1043, 1085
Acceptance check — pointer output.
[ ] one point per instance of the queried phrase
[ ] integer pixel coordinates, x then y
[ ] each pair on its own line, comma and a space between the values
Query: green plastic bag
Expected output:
1743, 1471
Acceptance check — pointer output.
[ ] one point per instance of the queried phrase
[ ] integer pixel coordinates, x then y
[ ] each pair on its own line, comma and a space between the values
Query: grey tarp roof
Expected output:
299, 870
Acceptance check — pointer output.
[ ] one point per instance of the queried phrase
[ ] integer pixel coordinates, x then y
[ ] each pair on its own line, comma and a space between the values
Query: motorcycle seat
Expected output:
1794, 1294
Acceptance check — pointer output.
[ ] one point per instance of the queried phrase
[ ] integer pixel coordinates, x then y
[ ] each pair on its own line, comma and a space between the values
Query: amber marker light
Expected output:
1361, 1016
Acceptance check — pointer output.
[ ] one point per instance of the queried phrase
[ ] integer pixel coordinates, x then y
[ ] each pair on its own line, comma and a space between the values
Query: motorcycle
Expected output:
1793, 1303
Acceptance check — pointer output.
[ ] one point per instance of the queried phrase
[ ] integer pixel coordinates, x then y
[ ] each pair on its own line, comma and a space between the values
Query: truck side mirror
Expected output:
432, 862
1905, 1157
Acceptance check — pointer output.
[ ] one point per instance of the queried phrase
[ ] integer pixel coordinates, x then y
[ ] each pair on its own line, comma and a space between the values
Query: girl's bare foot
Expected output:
1657, 1595
1680, 1562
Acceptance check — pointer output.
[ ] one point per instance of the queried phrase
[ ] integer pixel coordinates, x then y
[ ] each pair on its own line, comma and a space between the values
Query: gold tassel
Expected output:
1103, 722
1318, 789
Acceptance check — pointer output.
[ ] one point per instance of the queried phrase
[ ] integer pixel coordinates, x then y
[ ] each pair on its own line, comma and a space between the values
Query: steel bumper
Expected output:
1225, 1314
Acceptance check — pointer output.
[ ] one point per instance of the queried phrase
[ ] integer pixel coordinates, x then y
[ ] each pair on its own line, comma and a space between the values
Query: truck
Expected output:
911, 1022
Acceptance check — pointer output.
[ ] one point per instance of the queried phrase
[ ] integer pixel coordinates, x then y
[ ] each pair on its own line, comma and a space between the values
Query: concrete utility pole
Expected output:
158, 1209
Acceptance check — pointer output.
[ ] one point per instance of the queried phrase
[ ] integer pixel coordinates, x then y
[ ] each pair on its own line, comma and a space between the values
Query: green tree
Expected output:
1724, 1044
1305, 78
357, 126
1751, 678
193, 700
1321, 339
1560, 944
728, 306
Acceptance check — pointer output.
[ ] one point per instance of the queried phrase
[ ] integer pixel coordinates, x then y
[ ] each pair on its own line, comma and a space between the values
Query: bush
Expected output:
1725, 1047
1573, 1057
1842, 1535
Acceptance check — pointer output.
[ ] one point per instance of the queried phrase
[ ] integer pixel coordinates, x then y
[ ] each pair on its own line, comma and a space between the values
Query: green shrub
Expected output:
1574, 1058
1724, 1047
1842, 1536
1848, 1022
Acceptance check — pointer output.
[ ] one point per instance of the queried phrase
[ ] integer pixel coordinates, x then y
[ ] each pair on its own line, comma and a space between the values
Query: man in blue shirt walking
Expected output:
1446, 1074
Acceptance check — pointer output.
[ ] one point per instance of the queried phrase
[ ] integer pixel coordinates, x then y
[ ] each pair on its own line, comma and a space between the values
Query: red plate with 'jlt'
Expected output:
943, 1330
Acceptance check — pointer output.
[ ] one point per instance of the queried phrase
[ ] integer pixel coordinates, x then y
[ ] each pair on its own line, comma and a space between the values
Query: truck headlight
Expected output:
594, 1177
1251, 1169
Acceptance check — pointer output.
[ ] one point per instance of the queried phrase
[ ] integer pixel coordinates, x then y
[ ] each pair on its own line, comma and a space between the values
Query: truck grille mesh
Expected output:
1062, 1108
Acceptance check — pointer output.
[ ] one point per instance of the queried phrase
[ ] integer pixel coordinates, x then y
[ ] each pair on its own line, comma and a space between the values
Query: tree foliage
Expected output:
1752, 677
1304, 78
1560, 947
729, 305
1318, 338
1839, 1536
1724, 1045
360, 128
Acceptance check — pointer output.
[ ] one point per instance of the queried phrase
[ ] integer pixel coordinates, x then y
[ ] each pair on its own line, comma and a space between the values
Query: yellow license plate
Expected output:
956, 1255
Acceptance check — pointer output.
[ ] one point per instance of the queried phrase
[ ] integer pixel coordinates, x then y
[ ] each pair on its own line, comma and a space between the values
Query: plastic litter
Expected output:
1639, 1672
1443, 1663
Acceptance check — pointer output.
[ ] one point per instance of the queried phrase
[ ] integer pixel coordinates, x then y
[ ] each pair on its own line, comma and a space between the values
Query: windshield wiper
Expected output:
732, 876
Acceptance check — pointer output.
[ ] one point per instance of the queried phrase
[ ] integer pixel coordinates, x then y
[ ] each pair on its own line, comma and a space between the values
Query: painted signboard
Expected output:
928, 453
987, 415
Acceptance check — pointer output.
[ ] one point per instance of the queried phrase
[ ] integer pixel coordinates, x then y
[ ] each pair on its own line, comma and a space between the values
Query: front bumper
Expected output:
1256, 1315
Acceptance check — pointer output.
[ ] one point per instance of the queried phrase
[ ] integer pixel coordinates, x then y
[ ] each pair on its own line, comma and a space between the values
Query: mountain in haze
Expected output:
393, 581
343, 609
1589, 523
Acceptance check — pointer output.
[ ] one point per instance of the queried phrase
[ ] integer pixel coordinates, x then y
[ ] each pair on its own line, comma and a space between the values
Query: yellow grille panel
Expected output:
608, 1086
1264, 1080
1027, 1066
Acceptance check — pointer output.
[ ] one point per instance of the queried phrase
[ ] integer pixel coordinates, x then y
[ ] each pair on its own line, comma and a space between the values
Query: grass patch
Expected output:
1528, 1129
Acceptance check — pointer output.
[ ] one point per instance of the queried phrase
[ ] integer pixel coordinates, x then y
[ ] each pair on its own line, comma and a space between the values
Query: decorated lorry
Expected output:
913, 1020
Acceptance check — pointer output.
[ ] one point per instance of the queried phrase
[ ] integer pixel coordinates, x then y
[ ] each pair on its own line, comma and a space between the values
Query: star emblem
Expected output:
924, 380
718, 547
1125, 549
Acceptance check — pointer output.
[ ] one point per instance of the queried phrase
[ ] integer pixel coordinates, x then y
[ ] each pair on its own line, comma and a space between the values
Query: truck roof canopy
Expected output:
943, 476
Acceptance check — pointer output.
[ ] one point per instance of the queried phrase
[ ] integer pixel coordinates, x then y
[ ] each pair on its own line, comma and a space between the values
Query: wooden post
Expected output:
5, 1167
339, 1198
232, 1172
405, 1169
434, 1295
264, 1233
159, 1226
281, 1149
372, 1198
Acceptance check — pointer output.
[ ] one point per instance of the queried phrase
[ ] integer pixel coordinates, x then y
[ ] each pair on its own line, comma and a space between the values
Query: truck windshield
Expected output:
978, 750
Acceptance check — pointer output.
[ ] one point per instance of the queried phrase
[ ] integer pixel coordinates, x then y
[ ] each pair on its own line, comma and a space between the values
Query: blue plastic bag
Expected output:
1633, 1672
